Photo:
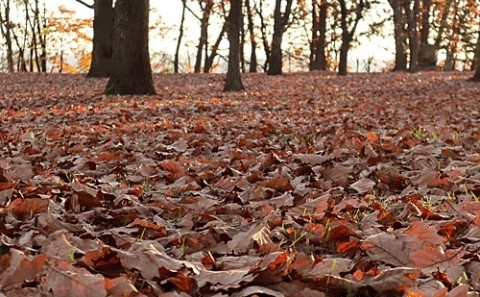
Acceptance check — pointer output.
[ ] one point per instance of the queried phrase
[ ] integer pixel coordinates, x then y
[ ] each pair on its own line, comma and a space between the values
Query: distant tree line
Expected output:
421, 30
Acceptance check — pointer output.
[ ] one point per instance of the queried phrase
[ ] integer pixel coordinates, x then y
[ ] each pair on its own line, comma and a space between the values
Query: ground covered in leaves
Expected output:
306, 185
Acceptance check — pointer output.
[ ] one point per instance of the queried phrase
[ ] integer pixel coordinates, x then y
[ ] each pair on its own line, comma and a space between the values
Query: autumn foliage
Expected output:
304, 185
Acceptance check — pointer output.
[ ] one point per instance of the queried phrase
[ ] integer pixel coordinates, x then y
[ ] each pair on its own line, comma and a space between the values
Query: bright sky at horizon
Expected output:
376, 48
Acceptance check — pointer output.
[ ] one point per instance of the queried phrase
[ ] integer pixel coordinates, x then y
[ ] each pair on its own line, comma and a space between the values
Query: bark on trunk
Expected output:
425, 31
213, 53
180, 36
453, 40
279, 26
347, 35
6, 33
476, 58
233, 80
253, 42
242, 43
399, 35
42, 36
203, 41
132, 73
102, 52
343, 63
318, 60
476, 76
263, 30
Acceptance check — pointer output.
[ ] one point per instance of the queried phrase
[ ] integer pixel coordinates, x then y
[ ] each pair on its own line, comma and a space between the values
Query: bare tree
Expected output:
5, 27
348, 33
263, 31
280, 24
206, 7
214, 50
253, 42
180, 36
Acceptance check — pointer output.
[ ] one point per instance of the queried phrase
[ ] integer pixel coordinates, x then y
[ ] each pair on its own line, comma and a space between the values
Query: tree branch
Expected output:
85, 3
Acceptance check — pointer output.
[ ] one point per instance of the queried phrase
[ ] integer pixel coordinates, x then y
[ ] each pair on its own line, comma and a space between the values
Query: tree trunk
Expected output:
347, 35
443, 23
32, 22
263, 30
413, 45
21, 64
213, 53
425, 31
343, 63
42, 36
453, 40
399, 36
132, 73
101, 65
476, 58
37, 29
203, 41
233, 80
476, 76
242, 43
253, 42
180, 36
279, 26
318, 60
427, 56
6, 33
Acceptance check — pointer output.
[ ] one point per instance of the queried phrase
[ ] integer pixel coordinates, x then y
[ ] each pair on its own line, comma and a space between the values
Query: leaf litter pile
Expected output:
305, 185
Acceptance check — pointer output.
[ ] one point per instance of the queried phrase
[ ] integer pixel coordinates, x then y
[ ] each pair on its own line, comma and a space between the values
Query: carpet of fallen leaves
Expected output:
308, 184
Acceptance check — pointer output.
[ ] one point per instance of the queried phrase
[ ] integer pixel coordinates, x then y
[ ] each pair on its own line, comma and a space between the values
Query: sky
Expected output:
378, 48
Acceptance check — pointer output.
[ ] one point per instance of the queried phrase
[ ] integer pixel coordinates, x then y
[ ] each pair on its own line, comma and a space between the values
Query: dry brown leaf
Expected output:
364, 185
24, 209
220, 194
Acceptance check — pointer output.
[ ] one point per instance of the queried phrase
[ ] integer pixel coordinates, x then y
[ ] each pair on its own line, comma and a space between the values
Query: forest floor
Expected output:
307, 184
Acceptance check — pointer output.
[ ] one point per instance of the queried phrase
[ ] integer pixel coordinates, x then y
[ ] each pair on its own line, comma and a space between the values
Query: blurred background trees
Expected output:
275, 36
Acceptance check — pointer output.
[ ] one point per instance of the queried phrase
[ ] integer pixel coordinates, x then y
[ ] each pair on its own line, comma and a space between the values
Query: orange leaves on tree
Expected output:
85, 61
